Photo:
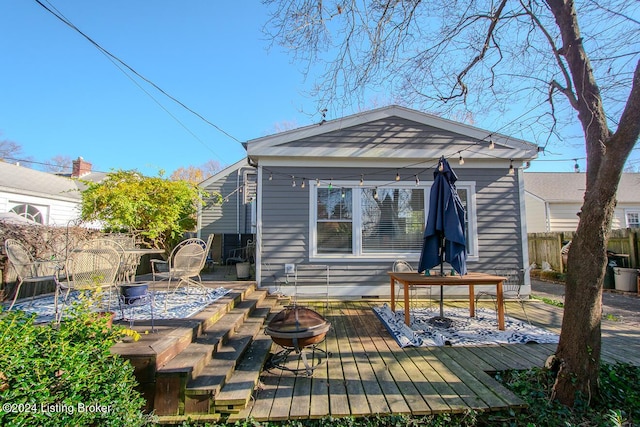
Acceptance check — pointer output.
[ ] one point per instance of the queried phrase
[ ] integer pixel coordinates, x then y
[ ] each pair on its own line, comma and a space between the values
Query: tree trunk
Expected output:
578, 352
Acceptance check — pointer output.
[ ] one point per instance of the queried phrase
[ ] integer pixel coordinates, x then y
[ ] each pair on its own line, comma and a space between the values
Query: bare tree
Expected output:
539, 57
9, 149
58, 164
196, 174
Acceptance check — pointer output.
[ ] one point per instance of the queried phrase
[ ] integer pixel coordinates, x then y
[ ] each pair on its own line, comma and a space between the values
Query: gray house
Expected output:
351, 194
233, 222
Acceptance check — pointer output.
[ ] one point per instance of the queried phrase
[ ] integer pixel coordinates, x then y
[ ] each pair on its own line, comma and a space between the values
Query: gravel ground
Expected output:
624, 306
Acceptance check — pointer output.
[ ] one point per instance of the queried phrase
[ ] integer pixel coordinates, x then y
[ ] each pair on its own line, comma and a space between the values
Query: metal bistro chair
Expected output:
30, 270
404, 266
91, 269
184, 264
510, 290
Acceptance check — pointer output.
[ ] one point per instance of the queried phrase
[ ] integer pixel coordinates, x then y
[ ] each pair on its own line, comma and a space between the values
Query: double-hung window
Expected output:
633, 218
376, 222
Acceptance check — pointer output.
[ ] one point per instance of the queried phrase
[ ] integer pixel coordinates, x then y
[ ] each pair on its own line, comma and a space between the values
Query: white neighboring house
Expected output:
553, 200
43, 197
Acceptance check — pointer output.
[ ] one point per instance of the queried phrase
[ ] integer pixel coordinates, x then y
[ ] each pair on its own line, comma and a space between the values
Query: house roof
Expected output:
225, 172
26, 181
569, 187
390, 132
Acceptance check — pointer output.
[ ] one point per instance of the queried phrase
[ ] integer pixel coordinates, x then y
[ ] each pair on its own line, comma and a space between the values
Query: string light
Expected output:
342, 194
330, 183
417, 180
512, 170
293, 182
397, 175
361, 180
270, 176
461, 160
375, 193
492, 144
318, 182
303, 185
576, 167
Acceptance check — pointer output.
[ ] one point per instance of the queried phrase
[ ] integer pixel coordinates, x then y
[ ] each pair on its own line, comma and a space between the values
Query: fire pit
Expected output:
294, 329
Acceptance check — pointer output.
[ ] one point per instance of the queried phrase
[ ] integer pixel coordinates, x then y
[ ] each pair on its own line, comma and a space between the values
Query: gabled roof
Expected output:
390, 132
569, 187
23, 180
244, 162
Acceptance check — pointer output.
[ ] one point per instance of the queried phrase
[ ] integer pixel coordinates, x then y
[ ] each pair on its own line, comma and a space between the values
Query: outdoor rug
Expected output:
464, 330
180, 305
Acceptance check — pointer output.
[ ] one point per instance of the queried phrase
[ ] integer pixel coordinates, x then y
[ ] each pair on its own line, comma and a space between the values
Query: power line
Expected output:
109, 54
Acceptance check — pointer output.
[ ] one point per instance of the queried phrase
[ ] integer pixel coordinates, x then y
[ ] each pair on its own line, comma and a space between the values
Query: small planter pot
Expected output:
133, 292
243, 270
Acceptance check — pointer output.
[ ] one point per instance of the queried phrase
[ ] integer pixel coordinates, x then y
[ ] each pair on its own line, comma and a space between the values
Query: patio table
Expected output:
408, 279
134, 255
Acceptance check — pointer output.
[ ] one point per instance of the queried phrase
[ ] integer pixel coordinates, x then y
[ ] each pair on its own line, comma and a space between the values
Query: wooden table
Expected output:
407, 279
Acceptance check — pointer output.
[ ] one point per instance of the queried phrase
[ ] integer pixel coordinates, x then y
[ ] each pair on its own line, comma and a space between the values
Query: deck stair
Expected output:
190, 382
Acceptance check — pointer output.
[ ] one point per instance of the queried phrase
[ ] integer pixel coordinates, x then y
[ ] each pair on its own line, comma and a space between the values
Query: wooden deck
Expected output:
367, 372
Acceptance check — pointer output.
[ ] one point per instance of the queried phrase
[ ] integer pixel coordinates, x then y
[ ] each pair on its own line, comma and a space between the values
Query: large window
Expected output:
392, 219
377, 222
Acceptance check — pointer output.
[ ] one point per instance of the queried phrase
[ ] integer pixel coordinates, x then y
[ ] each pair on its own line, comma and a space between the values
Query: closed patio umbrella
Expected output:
444, 238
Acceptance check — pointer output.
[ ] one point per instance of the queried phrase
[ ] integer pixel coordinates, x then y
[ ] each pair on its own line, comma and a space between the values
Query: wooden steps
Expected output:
187, 383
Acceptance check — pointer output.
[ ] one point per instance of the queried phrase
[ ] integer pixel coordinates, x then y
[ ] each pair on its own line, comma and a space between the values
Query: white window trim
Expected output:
358, 254
626, 215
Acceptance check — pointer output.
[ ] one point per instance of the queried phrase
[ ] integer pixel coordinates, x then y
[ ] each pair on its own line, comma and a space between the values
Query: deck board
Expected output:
368, 373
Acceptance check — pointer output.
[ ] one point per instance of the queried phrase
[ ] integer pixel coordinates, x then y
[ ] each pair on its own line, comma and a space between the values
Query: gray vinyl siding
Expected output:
285, 225
234, 215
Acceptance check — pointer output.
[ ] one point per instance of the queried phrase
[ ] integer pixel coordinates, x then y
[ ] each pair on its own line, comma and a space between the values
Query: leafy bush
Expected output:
65, 374
618, 402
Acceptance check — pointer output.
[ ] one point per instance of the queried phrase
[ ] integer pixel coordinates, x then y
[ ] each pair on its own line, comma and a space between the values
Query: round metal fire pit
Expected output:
296, 328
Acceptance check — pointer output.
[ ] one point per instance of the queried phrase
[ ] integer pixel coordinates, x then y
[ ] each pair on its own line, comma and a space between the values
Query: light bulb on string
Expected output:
440, 167
461, 160
375, 193
293, 181
342, 193
270, 176
492, 144
417, 180
361, 180
303, 185
397, 176
318, 182
512, 170
330, 183
576, 167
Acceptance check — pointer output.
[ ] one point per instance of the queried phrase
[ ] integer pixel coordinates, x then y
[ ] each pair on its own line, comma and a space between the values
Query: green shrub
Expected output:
65, 375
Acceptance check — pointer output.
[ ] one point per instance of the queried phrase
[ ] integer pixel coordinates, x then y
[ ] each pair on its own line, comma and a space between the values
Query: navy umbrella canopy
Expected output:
444, 237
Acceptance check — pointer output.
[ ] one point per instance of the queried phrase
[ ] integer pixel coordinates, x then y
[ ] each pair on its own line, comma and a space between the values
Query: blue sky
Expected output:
59, 95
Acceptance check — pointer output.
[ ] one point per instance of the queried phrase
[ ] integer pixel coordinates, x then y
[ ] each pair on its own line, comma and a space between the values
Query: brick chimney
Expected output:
80, 168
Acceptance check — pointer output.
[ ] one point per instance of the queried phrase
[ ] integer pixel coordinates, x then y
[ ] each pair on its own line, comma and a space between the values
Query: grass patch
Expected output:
549, 301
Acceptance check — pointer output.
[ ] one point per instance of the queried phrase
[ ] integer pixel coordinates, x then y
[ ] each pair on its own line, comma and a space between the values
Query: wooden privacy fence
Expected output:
548, 246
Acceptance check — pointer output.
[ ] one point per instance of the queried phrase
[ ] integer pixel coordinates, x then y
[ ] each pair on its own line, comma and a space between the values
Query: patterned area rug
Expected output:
180, 305
464, 331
